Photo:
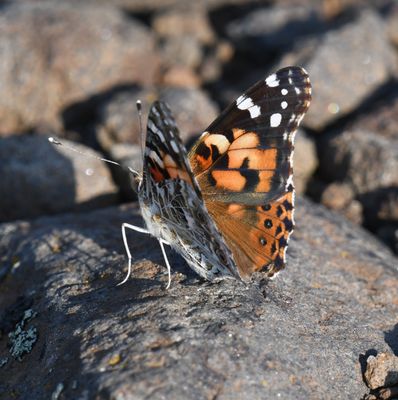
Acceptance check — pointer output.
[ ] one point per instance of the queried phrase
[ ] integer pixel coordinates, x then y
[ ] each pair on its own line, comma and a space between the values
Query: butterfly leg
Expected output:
126, 245
162, 243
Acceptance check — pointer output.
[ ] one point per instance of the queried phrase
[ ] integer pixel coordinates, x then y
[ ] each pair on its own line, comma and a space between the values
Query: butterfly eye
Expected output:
268, 223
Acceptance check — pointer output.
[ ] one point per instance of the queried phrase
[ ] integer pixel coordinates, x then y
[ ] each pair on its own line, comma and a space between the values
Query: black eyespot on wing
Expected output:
203, 151
268, 223
288, 224
263, 241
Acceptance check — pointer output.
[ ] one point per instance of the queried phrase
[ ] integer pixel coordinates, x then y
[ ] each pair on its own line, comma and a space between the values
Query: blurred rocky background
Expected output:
74, 69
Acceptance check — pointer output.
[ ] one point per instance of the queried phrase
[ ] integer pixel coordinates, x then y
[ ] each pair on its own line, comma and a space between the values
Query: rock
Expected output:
38, 178
272, 28
337, 196
340, 197
145, 6
287, 338
117, 119
380, 206
381, 117
361, 158
179, 75
305, 161
388, 233
392, 23
192, 109
185, 51
58, 59
381, 371
185, 22
369, 61
129, 156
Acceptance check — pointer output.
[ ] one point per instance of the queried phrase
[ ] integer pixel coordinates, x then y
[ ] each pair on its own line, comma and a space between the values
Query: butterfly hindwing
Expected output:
256, 235
171, 203
243, 165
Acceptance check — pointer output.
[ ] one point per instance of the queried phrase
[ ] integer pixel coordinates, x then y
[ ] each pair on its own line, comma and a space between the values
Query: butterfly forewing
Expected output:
243, 165
165, 156
245, 154
171, 203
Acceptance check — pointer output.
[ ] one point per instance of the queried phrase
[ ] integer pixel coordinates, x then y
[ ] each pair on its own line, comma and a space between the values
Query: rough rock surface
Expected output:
58, 58
346, 66
191, 108
39, 178
381, 371
272, 28
305, 160
362, 158
305, 334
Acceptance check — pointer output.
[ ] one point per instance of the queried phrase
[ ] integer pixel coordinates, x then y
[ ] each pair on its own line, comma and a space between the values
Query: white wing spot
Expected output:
246, 103
284, 104
271, 81
255, 111
174, 146
284, 92
298, 91
239, 100
154, 156
275, 120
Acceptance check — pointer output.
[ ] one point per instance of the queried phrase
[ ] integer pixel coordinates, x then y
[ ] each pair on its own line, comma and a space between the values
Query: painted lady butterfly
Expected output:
226, 206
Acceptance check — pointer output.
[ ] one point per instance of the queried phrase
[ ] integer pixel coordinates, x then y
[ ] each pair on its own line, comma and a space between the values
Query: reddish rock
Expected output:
54, 54
382, 370
184, 22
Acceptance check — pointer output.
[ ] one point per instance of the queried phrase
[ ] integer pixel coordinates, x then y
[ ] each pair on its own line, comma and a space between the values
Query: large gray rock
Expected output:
360, 157
346, 66
57, 53
39, 178
305, 334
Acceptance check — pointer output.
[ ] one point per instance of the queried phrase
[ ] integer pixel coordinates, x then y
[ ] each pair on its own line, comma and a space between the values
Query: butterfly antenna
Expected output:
57, 142
142, 135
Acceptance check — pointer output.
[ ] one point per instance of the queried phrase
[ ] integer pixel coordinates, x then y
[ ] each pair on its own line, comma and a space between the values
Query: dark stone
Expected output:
39, 178
196, 340
358, 53
361, 158
272, 28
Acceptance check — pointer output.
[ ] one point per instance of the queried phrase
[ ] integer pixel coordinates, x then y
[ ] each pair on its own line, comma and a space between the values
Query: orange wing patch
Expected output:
256, 158
249, 140
257, 235
229, 180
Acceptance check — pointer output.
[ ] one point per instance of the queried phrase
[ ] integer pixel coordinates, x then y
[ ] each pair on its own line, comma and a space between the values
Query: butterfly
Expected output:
226, 206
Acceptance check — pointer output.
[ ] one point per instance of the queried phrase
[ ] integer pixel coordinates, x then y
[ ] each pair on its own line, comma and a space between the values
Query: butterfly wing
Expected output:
243, 165
165, 157
171, 203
